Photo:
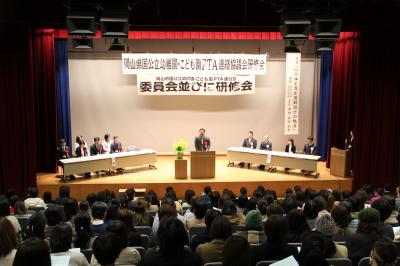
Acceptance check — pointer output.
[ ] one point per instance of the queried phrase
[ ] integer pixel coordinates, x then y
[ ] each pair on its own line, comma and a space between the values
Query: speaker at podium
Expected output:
202, 164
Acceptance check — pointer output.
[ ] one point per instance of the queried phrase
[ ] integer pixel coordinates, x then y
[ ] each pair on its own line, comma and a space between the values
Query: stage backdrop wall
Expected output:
104, 100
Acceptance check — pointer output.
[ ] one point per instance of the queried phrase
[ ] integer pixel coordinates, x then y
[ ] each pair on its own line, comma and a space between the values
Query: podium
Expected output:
340, 162
202, 164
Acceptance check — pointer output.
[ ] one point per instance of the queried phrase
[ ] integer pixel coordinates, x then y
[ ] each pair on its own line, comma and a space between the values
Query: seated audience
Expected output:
63, 195
360, 244
236, 252
220, 230
253, 232
385, 210
125, 216
54, 215
172, 237
60, 244
84, 237
37, 225
342, 219
276, 248
167, 202
189, 193
70, 210
8, 242
20, 209
289, 203
84, 206
311, 213
313, 251
326, 225
150, 207
250, 205
298, 226
189, 214
199, 210
205, 236
128, 255
99, 210
229, 211
384, 253
47, 198
33, 200
140, 216
33, 249
5, 213
262, 206
241, 203
274, 209
106, 248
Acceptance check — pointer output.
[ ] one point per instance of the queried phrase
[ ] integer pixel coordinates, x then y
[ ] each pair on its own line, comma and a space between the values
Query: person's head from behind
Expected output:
167, 211
229, 208
125, 216
289, 204
341, 216
33, 192
47, 197
236, 252
140, 207
319, 203
8, 237
274, 209
242, 201
4, 206
384, 208
54, 215
200, 208
99, 210
220, 228
214, 197
64, 191
106, 248
326, 225
84, 206
189, 193
383, 253
70, 208
313, 249
297, 221
172, 235
61, 238
276, 229
262, 206
251, 205
119, 228
254, 220
35, 250
37, 225
369, 220
210, 216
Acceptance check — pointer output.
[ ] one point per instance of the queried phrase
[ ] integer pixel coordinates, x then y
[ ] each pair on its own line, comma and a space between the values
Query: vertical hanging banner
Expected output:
292, 93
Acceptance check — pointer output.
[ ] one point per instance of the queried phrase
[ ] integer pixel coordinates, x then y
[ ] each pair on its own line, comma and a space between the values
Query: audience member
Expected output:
199, 211
8, 242
84, 237
298, 226
204, 237
276, 248
106, 248
5, 213
63, 195
384, 253
33, 200
236, 252
140, 216
253, 232
220, 230
326, 225
99, 210
35, 250
313, 251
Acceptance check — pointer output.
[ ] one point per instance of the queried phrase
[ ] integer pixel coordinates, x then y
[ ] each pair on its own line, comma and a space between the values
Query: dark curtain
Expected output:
377, 112
43, 65
63, 99
17, 111
344, 83
27, 106
324, 107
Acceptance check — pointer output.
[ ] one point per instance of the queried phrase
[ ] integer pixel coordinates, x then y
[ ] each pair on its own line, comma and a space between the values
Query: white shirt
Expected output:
76, 258
107, 146
35, 203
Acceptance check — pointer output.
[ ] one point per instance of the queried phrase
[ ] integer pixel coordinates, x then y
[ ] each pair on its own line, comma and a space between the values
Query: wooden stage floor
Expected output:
158, 179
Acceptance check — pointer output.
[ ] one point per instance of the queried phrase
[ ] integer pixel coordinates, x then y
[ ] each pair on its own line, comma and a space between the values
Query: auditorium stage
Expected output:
158, 179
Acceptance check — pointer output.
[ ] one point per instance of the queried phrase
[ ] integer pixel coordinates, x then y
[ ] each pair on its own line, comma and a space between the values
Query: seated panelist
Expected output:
97, 147
116, 146
249, 142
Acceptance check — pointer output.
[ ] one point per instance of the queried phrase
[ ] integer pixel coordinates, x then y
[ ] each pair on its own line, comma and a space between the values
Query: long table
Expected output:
108, 161
273, 158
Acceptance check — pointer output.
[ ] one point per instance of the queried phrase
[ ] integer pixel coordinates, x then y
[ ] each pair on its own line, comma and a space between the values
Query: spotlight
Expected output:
82, 43
325, 45
295, 26
81, 23
117, 46
115, 24
326, 27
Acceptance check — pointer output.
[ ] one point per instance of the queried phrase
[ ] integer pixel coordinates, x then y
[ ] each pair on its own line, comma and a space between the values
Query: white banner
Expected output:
292, 93
201, 64
195, 85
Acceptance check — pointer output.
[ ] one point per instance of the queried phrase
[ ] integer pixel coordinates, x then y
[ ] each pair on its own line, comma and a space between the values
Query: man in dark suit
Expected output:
96, 148
81, 151
310, 148
116, 146
349, 145
251, 143
63, 151
202, 142
266, 145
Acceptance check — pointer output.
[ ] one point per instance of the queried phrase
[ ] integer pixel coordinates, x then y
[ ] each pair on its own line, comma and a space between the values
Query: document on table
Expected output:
289, 261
